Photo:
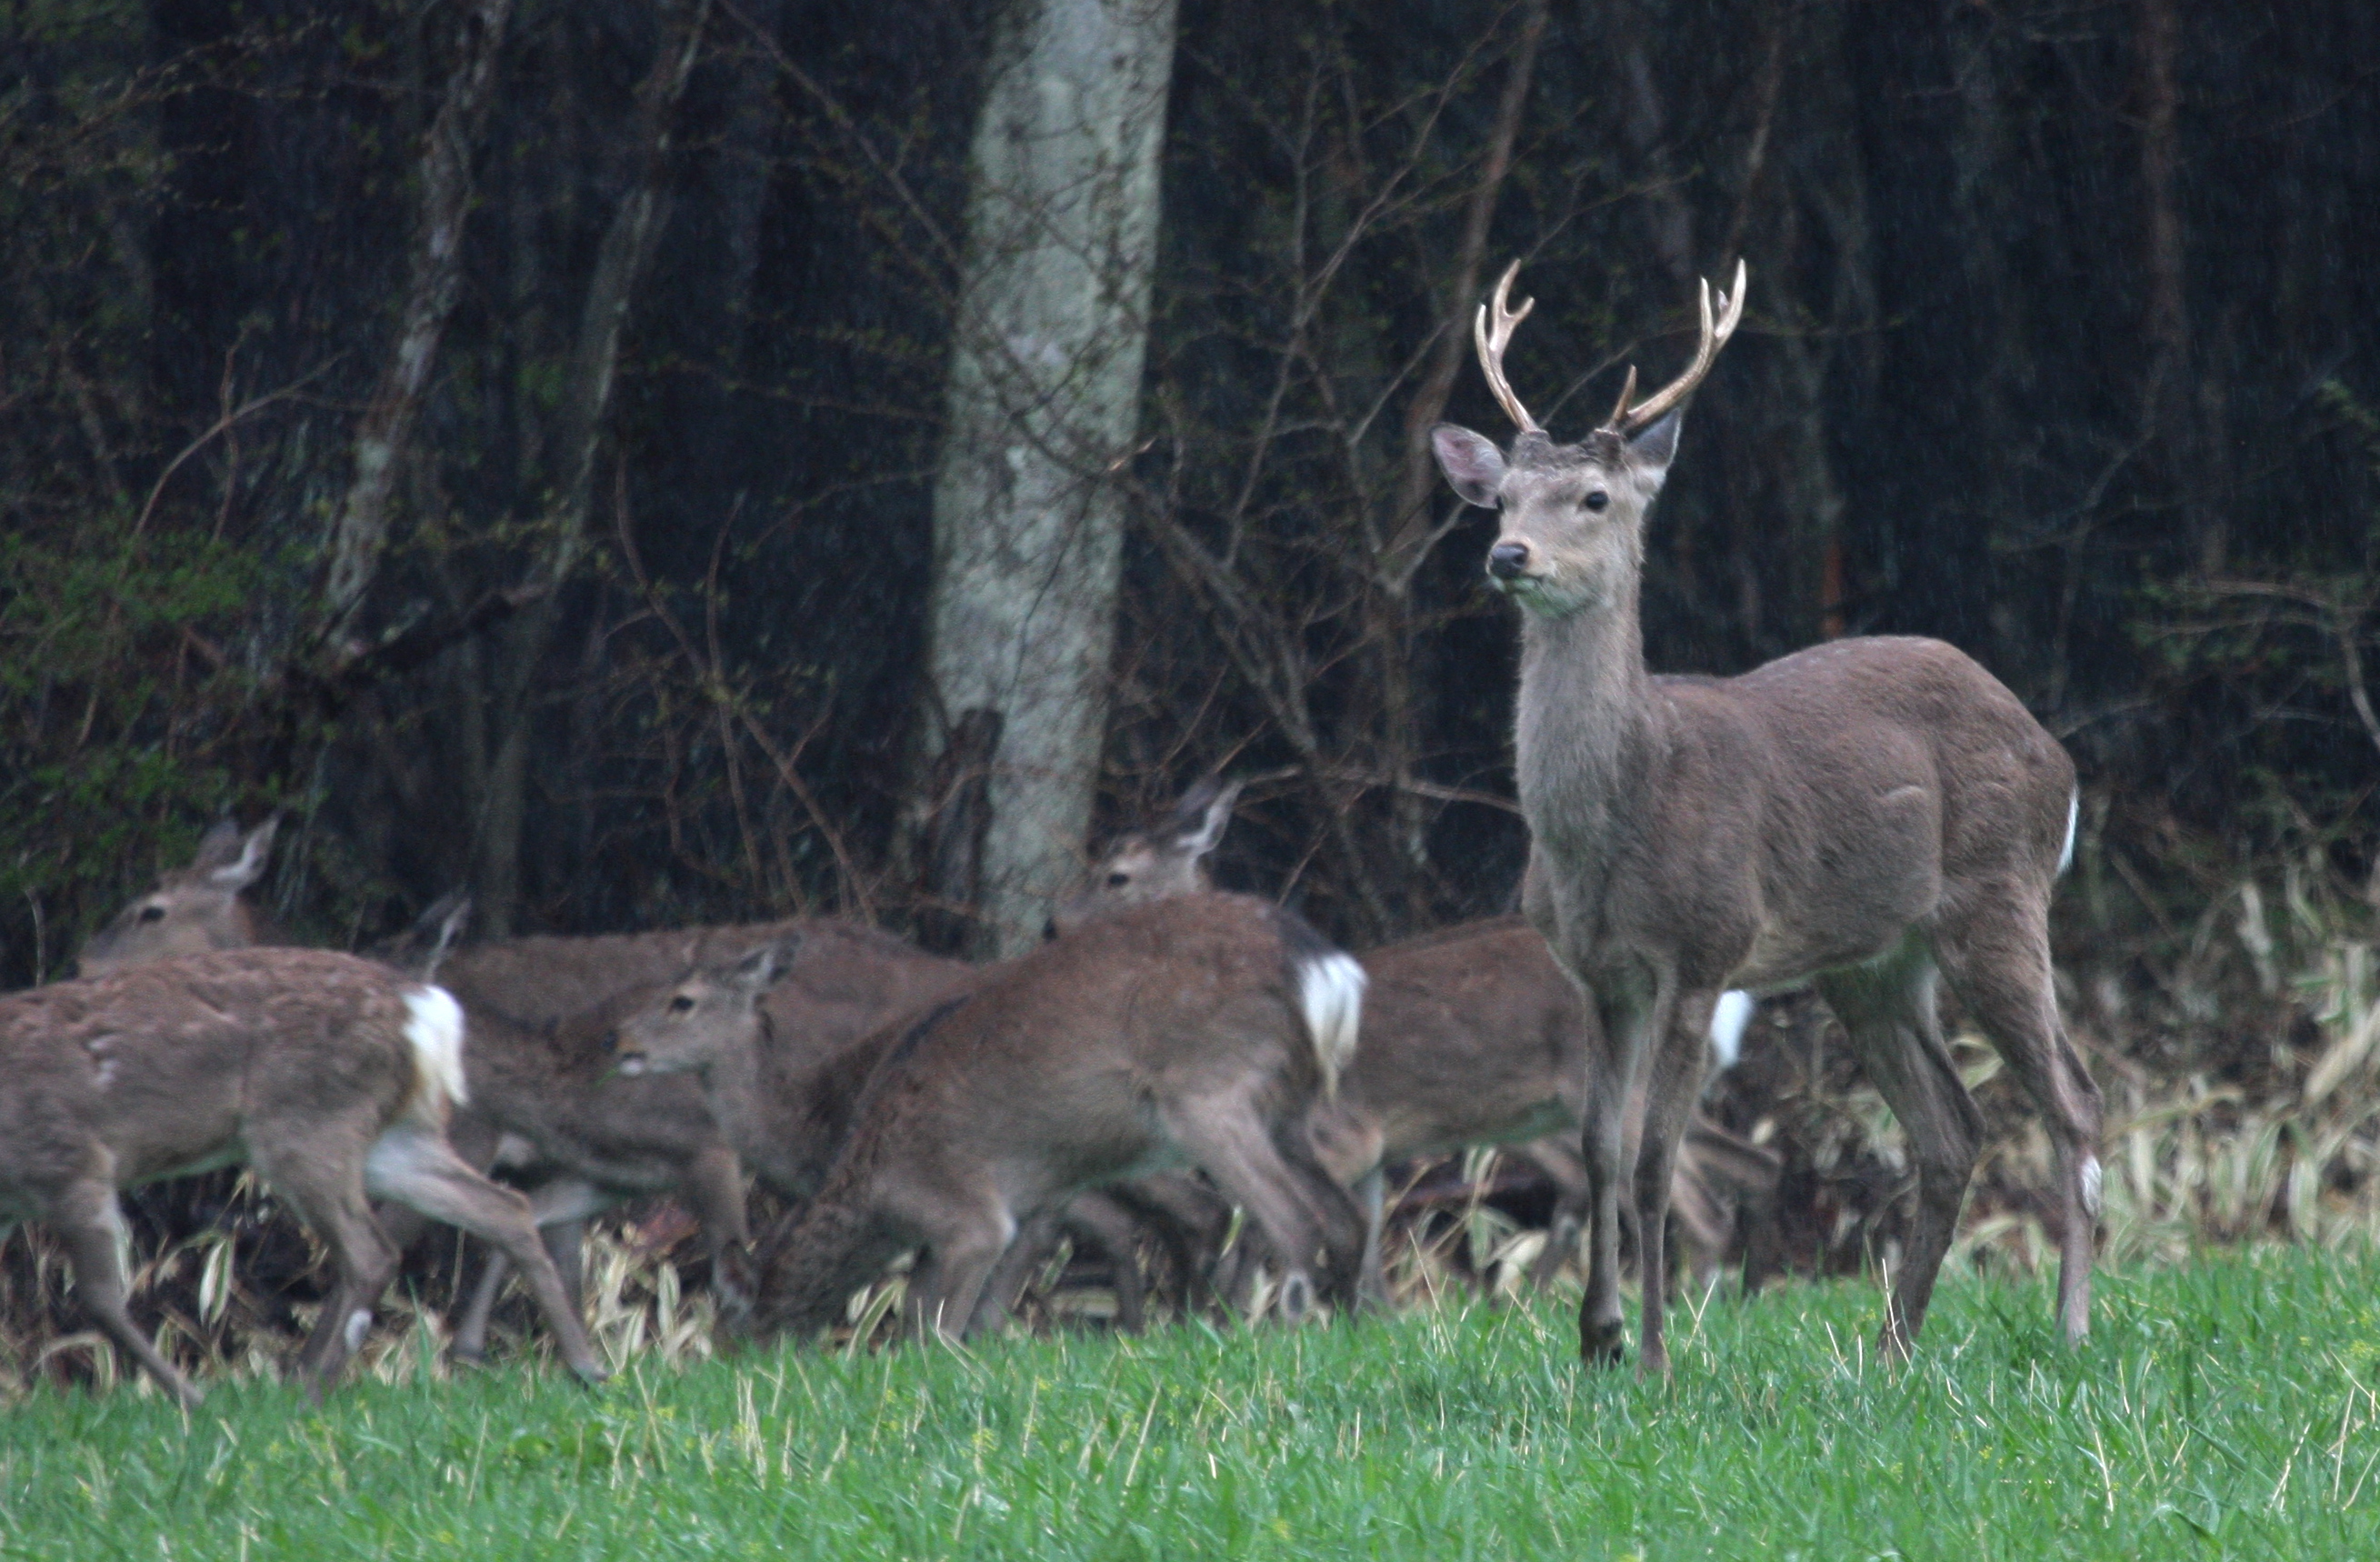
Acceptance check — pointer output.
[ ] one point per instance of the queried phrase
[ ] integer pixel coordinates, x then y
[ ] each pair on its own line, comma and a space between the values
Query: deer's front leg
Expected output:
1626, 1012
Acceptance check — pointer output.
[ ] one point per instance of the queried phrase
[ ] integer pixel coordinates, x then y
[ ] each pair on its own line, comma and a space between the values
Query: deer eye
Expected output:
153, 913
1598, 500
681, 1005
1118, 880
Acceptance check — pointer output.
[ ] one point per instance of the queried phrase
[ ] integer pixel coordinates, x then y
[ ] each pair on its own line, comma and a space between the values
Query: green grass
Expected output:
2221, 1408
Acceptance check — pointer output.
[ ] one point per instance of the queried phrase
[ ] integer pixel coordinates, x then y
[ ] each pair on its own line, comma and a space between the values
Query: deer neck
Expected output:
733, 1085
1587, 730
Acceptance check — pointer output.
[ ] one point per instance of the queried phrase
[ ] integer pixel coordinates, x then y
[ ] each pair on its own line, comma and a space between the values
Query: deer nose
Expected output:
1508, 561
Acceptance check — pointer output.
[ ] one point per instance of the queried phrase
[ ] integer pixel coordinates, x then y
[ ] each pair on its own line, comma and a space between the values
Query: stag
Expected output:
1472, 1035
330, 1075
1865, 815
1189, 1032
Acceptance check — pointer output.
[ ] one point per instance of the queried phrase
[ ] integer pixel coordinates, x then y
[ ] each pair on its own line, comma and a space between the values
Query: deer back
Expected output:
171, 1066
1204, 995
845, 979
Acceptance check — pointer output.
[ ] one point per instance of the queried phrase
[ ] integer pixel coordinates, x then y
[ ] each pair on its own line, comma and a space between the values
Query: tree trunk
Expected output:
1044, 402
620, 262
360, 530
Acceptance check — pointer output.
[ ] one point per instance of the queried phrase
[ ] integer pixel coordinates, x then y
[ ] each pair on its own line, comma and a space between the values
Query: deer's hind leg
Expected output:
1887, 1006
89, 1217
559, 1208
1997, 959
322, 1172
1284, 1189
417, 1167
948, 1290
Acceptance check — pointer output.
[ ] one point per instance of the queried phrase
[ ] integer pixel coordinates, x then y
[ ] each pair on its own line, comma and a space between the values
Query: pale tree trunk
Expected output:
359, 531
1044, 404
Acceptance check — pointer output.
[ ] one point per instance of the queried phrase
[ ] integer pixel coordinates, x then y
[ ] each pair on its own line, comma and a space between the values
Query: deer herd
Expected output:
1863, 817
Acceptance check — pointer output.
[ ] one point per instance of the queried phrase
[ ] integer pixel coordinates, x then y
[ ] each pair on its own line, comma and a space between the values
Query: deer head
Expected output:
1573, 528
703, 1015
1144, 865
192, 909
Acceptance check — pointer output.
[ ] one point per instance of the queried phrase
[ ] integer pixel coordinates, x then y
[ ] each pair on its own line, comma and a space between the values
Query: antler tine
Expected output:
1630, 419
1492, 342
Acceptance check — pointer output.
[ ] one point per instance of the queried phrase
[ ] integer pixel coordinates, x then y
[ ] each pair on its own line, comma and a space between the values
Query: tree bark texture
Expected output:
1044, 403
435, 277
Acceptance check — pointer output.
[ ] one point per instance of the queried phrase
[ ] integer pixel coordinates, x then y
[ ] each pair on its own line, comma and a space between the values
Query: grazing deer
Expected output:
1472, 1035
1189, 1031
545, 1105
330, 1075
1862, 815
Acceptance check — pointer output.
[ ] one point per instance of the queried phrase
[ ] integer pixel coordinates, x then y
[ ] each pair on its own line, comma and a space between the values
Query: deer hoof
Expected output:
1604, 1344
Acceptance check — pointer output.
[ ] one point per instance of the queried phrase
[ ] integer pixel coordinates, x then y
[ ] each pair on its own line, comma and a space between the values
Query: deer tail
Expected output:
1329, 998
433, 1029
2073, 815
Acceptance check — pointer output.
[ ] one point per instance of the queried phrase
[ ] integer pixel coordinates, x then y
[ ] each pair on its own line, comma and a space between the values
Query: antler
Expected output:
1626, 420
1492, 342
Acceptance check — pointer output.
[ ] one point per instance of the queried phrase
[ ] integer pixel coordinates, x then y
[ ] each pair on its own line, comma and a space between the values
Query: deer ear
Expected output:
218, 847
1204, 816
1650, 452
759, 971
255, 848
447, 917
1470, 462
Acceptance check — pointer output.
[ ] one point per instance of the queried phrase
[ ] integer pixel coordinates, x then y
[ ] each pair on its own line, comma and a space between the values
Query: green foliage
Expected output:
120, 709
2228, 1403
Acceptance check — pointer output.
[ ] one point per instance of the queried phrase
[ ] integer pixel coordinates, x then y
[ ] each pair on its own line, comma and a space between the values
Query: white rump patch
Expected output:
358, 1326
2091, 1180
2073, 813
1728, 1018
1330, 993
435, 1033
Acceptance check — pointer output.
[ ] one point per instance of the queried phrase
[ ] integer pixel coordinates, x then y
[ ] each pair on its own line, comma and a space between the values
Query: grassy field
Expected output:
2224, 1408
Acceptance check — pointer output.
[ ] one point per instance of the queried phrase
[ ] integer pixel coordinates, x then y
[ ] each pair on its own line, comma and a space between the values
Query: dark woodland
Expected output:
605, 602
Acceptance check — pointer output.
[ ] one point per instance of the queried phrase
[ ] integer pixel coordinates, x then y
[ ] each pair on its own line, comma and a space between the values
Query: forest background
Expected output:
525, 445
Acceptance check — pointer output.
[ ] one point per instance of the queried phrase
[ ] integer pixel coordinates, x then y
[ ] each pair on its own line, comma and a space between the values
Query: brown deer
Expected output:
540, 1095
1188, 1032
544, 1103
330, 1075
1861, 816
202, 907
1472, 1035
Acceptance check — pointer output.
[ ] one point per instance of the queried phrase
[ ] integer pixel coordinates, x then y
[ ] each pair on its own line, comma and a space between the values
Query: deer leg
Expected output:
714, 1185
322, 1176
1297, 1204
1111, 1228
1998, 960
947, 1288
1371, 1197
1574, 1204
416, 1167
559, 1208
1627, 1015
1671, 1085
1035, 1241
1888, 1008
91, 1221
